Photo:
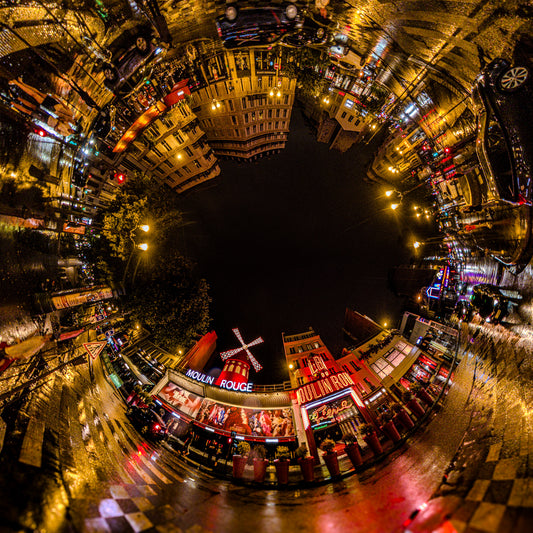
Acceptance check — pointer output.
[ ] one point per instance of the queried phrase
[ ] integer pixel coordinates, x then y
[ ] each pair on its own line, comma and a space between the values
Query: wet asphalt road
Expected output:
72, 461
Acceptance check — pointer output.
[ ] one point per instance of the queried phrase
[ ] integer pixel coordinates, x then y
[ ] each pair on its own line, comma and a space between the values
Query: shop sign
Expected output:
198, 376
323, 387
224, 384
329, 411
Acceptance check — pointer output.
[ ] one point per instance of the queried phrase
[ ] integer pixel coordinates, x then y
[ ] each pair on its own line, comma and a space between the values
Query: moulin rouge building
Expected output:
325, 397
319, 401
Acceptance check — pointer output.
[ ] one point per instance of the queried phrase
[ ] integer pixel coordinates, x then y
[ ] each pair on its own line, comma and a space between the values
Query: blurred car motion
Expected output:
148, 422
256, 26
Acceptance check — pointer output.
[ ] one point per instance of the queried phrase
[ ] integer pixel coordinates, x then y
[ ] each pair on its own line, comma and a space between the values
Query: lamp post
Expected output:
142, 246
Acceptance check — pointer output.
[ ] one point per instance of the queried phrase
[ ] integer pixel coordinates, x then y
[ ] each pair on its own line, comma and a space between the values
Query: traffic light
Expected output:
120, 177
40, 132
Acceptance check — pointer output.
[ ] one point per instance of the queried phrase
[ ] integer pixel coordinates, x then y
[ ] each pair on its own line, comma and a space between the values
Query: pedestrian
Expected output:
218, 454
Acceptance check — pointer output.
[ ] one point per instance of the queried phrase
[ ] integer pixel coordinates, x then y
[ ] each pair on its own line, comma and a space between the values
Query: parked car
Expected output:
502, 98
342, 50
490, 303
148, 422
256, 26
311, 32
128, 52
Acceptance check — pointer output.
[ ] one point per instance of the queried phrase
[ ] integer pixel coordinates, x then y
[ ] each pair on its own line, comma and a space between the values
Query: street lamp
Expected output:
142, 246
394, 206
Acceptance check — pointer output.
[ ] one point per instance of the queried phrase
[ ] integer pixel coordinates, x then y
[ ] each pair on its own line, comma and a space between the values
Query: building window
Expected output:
394, 357
188, 151
343, 114
166, 145
355, 367
382, 368
350, 119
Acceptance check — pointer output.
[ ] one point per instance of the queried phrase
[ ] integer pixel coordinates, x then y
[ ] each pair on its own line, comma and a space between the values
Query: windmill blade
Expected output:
259, 340
238, 335
229, 353
254, 361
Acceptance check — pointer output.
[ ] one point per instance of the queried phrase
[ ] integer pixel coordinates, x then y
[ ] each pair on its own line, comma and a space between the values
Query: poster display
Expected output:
79, 298
181, 399
246, 421
243, 420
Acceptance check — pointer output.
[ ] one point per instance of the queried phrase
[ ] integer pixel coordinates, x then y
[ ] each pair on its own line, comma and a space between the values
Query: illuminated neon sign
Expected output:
329, 412
224, 384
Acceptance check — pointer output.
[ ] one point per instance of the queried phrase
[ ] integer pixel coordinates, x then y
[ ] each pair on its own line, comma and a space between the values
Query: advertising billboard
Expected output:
242, 420
246, 421
181, 399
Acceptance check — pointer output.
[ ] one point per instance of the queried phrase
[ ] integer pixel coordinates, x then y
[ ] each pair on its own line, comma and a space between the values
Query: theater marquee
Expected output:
323, 387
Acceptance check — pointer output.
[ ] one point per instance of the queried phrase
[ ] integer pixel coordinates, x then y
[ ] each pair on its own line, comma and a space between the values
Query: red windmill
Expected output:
237, 361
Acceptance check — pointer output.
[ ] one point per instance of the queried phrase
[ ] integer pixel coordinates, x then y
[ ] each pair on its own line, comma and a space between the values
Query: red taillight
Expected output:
157, 427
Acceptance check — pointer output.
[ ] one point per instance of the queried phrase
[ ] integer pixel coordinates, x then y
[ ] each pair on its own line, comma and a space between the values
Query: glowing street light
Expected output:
145, 228
394, 206
416, 244
143, 246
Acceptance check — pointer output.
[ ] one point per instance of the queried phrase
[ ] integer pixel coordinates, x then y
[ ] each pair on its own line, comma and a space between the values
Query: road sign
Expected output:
94, 348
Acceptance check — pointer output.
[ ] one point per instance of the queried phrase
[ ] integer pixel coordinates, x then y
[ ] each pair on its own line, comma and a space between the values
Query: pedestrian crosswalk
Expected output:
111, 474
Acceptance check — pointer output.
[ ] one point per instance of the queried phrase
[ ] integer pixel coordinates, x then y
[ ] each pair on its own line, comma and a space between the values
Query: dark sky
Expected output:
289, 242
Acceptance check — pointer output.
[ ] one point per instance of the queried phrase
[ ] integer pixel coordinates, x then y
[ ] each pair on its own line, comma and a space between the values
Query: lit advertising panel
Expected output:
79, 298
181, 399
243, 420
246, 421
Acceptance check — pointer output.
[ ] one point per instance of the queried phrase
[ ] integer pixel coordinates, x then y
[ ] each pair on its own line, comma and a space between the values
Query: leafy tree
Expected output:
168, 296
171, 300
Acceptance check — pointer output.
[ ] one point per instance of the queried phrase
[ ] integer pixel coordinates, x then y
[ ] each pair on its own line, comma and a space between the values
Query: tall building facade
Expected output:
246, 108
